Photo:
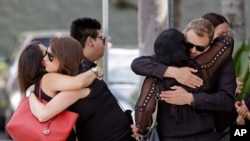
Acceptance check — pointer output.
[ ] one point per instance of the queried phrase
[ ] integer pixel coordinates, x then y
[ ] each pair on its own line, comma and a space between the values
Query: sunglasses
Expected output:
102, 38
50, 56
197, 47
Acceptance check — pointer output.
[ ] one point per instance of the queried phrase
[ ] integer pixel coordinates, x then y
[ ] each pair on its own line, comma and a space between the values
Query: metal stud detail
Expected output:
212, 62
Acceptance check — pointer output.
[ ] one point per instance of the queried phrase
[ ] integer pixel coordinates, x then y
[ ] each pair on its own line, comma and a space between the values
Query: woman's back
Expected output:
100, 116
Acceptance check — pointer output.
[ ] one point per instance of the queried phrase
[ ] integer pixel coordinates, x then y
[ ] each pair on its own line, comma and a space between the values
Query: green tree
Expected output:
241, 59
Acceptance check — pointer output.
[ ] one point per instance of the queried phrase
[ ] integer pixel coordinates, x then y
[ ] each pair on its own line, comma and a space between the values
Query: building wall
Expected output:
21, 15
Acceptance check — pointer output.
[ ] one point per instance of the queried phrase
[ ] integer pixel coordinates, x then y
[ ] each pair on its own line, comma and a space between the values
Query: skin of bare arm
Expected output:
59, 82
51, 83
59, 103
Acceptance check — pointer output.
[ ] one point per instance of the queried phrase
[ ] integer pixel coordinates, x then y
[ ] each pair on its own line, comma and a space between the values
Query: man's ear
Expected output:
89, 41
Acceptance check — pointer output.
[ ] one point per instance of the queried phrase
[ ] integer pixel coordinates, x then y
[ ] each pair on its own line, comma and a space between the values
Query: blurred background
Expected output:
18, 16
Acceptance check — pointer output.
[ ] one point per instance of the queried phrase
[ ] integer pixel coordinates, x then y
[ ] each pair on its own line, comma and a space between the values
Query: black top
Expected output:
100, 116
216, 95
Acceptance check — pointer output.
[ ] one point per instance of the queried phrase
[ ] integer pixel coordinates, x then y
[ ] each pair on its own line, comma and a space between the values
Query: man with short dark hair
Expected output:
101, 118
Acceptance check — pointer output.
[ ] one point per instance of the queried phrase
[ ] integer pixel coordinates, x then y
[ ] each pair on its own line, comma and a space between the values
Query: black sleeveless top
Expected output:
100, 116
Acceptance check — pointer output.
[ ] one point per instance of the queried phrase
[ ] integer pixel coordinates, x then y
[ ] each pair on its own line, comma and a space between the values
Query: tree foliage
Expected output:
241, 60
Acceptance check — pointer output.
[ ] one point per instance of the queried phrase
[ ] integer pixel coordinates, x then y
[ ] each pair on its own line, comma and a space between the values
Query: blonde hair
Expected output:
201, 27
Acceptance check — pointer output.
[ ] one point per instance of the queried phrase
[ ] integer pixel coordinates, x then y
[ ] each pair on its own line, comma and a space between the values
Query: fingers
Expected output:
237, 104
168, 96
241, 108
192, 69
240, 120
239, 85
135, 130
243, 102
239, 81
193, 80
186, 76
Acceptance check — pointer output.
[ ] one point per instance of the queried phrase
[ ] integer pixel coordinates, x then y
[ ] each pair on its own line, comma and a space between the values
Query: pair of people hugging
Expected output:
171, 49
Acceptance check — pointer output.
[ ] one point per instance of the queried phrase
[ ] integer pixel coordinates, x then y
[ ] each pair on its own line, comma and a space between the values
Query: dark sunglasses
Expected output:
197, 47
50, 56
102, 38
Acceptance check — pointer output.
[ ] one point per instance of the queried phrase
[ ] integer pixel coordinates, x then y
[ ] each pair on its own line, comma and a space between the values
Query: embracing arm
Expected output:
57, 104
59, 82
147, 66
223, 95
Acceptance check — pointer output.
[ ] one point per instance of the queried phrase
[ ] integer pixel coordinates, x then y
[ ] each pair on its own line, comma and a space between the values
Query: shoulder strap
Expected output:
39, 93
154, 116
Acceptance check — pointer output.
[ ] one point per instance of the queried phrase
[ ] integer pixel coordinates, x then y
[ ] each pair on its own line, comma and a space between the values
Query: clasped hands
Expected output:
243, 112
185, 76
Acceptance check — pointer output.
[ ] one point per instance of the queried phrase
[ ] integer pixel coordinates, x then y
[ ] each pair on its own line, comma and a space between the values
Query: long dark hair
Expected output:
69, 53
215, 19
30, 68
170, 49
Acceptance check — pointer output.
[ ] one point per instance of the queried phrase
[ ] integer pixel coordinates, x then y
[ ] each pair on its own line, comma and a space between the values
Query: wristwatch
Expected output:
95, 71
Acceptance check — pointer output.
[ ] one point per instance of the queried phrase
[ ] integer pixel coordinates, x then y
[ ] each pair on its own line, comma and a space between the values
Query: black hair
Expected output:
30, 68
215, 19
170, 48
82, 28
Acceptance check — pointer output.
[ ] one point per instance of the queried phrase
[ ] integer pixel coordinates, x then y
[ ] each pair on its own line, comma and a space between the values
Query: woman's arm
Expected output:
57, 104
59, 82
